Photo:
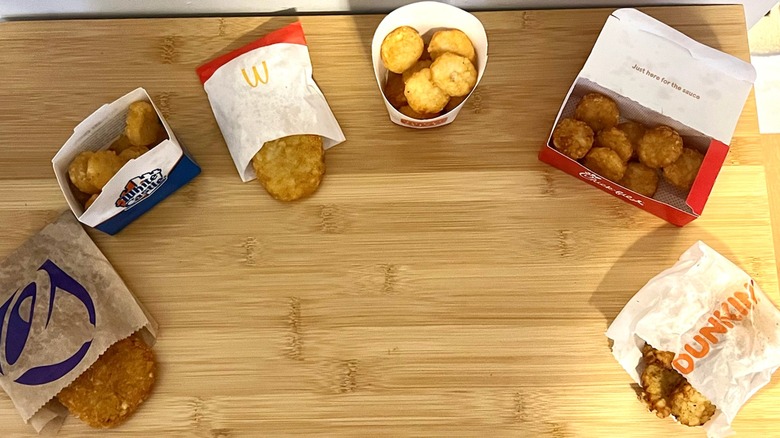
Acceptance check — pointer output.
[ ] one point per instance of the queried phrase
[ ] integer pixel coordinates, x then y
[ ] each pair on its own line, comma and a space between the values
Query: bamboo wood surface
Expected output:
440, 282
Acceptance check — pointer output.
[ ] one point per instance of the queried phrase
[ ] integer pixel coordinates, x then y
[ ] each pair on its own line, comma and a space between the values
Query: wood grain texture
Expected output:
440, 282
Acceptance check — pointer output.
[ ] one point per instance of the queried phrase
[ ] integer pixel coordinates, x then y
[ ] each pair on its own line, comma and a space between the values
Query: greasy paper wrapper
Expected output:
426, 18
671, 309
282, 100
117, 315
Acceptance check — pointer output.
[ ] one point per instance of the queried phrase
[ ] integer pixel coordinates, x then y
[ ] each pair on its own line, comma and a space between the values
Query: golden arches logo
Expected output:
256, 76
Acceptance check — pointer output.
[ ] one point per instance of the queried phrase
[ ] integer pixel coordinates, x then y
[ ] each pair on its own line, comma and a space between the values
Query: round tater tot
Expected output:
606, 162
640, 179
419, 65
394, 90
422, 95
616, 140
454, 74
90, 201
77, 172
573, 137
143, 125
682, 172
132, 153
633, 130
454, 102
659, 147
598, 111
401, 48
409, 112
102, 166
452, 41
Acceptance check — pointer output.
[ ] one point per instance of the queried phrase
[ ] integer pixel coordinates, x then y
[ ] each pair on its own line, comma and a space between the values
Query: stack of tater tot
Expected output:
627, 153
425, 81
90, 171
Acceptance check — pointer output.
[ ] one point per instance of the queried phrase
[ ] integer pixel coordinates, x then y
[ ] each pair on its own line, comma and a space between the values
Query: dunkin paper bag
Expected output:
723, 330
264, 91
61, 306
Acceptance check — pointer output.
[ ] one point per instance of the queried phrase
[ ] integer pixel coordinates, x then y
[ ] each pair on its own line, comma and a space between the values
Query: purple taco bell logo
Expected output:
140, 188
17, 326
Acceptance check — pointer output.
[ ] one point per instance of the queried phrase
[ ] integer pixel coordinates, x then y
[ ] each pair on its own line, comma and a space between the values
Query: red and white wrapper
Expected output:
723, 330
264, 91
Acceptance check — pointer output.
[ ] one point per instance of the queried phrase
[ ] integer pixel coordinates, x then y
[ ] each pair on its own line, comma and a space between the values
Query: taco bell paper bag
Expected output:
264, 91
62, 305
723, 329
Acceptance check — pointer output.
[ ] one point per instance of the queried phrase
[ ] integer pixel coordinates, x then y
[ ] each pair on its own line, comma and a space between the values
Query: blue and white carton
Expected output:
140, 184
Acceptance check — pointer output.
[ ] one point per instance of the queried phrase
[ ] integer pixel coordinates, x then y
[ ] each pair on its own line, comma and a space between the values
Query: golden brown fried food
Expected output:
90, 201
598, 111
80, 196
634, 130
110, 390
425, 55
454, 74
690, 407
452, 41
132, 153
143, 126
101, 167
651, 355
120, 144
573, 137
616, 140
640, 179
422, 95
77, 172
659, 147
394, 90
606, 163
419, 65
682, 172
290, 167
454, 102
658, 383
409, 112
401, 48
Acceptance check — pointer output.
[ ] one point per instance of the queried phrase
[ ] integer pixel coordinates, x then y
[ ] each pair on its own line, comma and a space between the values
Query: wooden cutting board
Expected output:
440, 282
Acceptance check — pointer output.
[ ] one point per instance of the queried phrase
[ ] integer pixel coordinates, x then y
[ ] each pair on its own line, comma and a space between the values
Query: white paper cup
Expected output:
427, 16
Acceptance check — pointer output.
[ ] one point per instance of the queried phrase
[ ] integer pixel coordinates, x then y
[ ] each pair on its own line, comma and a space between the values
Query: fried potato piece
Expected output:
452, 41
640, 179
132, 153
651, 355
454, 102
606, 163
409, 112
401, 48
633, 130
659, 147
454, 74
419, 65
616, 140
110, 390
573, 137
598, 111
690, 407
425, 55
682, 172
290, 168
658, 382
423, 95
101, 167
77, 172
394, 90
120, 144
143, 126
90, 201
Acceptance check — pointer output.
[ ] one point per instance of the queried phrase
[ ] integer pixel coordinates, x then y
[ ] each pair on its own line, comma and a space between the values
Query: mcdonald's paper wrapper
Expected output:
62, 305
723, 329
428, 17
264, 91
